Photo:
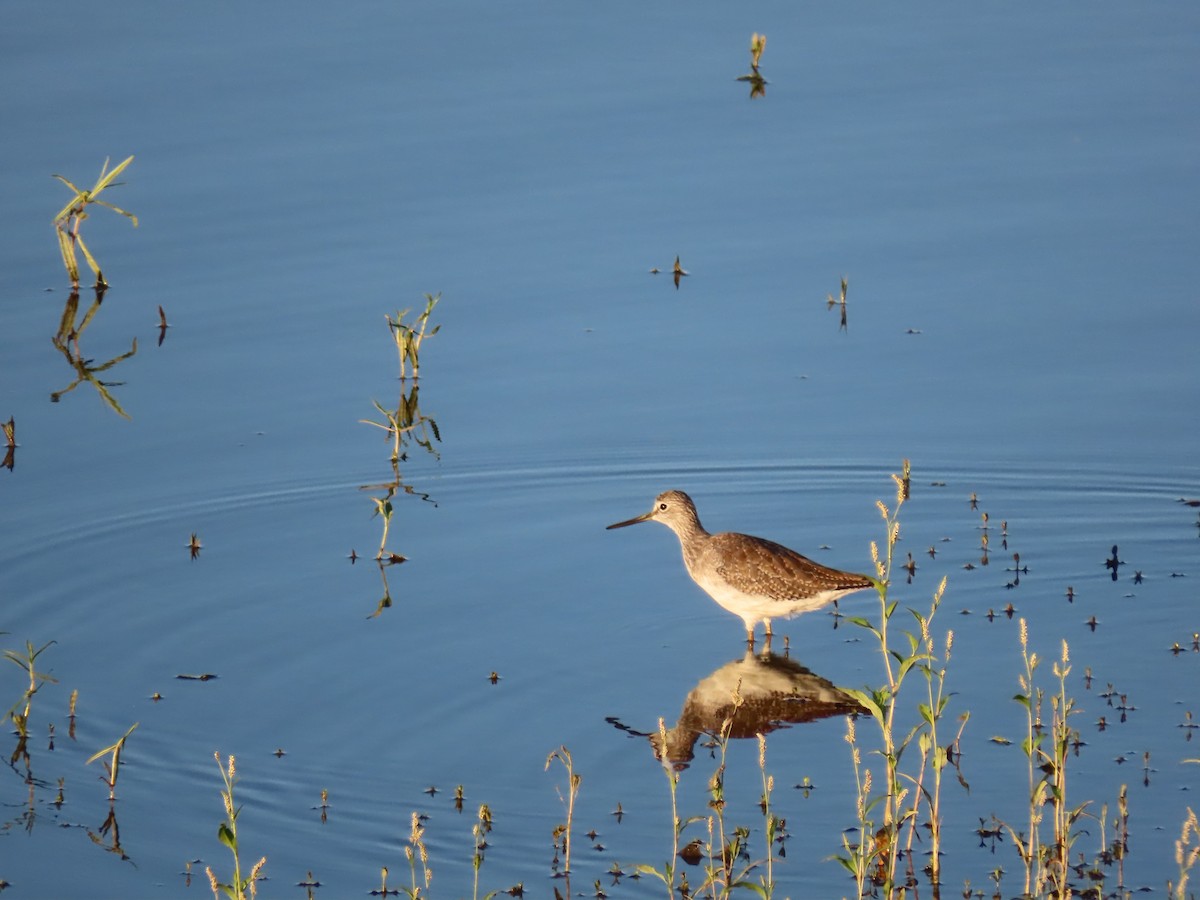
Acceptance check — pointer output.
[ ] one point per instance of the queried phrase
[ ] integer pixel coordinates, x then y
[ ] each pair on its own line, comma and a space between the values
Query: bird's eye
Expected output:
662, 507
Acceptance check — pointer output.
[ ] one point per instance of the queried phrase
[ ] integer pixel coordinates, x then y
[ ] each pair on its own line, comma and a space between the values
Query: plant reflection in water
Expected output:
67, 343
404, 426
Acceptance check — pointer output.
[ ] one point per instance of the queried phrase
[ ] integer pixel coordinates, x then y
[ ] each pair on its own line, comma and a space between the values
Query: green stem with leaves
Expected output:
227, 834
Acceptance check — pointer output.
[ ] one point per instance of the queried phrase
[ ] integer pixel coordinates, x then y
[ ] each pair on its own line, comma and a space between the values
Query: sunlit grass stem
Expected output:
770, 823
1047, 858
574, 780
416, 852
670, 866
482, 828
722, 852
1187, 855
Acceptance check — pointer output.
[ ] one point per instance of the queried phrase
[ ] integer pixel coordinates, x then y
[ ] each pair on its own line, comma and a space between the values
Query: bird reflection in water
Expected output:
753, 695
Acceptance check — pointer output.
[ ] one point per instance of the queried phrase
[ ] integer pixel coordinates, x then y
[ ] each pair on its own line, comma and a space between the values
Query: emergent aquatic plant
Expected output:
563, 832
482, 828
724, 851
1046, 862
414, 852
27, 661
841, 301
758, 84
667, 873
227, 833
112, 765
67, 223
907, 797
1187, 855
409, 337
758, 43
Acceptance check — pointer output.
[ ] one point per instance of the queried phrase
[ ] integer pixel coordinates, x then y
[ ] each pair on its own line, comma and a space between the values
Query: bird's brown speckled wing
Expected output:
758, 566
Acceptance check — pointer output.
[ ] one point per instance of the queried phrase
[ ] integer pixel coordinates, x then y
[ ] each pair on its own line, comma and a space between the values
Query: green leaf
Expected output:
847, 864
107, 179
67, 183
923, 709
226, 836
866, 702
118, 209
751, 886
643, 869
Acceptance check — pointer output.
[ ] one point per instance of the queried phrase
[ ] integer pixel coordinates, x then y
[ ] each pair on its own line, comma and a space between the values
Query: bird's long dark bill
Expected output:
641, 518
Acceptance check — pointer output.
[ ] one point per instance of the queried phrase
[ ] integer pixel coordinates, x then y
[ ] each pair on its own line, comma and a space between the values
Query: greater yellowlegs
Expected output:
753, 578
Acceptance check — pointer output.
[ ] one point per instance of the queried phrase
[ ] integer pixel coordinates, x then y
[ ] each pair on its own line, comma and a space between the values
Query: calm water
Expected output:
1020, 194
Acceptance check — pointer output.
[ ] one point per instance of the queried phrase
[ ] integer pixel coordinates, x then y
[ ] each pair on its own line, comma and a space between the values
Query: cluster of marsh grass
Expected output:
1046, 844
1046, 858
898, 802
416, 852
21, 714
908, 795
723, 848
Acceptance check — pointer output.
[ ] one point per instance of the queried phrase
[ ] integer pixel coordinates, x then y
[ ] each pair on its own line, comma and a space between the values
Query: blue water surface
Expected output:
1011, 196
